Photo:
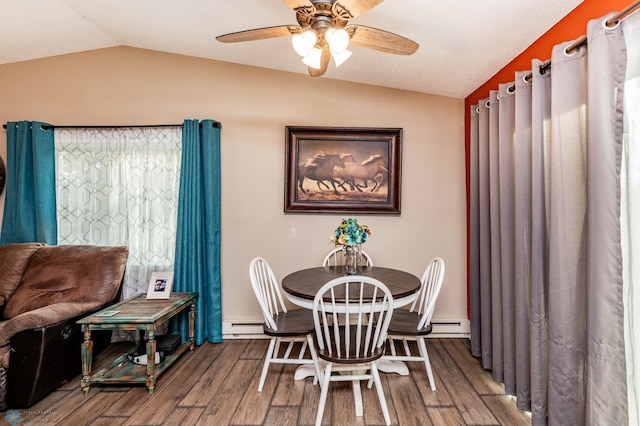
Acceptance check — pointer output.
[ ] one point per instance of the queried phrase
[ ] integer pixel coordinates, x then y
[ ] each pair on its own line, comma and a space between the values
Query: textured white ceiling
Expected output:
462, 42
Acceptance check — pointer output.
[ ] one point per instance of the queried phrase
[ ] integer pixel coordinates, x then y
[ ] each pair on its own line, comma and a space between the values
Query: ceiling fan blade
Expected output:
259, 34
358, 7
294, 4
324, 63
384, 41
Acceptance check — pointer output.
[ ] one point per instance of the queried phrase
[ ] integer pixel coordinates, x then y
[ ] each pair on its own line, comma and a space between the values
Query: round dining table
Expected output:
301, 287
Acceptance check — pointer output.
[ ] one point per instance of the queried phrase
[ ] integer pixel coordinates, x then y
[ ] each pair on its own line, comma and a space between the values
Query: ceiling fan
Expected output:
323, 33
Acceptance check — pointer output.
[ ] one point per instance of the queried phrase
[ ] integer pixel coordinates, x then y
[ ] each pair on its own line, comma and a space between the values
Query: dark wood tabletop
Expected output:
305, 284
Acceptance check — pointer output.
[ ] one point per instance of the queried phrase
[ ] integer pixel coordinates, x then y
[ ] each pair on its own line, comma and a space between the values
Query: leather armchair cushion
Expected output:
36, 319
13, 262
74, 273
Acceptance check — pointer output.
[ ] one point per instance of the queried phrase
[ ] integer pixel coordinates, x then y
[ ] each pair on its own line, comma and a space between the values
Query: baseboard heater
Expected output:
452, 328
252, 329
242, 329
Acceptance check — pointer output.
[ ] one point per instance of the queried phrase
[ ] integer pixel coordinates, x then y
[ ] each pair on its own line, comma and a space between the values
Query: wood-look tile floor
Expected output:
217, 385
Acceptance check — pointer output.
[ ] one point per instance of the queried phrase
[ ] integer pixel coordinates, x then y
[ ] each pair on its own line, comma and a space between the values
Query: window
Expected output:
119, 186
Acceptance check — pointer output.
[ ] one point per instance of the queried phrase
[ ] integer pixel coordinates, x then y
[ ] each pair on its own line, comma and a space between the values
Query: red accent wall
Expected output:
569, 28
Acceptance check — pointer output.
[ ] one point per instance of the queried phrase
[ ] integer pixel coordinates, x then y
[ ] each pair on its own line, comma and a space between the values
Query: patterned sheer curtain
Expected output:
119, 186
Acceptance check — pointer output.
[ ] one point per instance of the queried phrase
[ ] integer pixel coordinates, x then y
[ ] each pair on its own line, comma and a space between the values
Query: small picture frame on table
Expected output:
160, 285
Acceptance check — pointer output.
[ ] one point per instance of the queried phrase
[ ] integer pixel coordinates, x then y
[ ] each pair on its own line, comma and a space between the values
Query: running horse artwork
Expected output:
353, 170
320, 168
372, 169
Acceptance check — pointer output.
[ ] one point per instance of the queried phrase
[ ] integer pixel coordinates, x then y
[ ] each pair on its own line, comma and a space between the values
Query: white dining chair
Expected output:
351, 316
335, 258
415, 324
281, 325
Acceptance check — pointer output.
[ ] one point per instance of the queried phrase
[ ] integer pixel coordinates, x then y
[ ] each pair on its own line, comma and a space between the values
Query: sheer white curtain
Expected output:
630, 215
119, 186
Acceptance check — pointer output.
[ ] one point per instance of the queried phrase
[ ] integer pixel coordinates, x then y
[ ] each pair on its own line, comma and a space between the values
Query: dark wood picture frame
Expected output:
343, 170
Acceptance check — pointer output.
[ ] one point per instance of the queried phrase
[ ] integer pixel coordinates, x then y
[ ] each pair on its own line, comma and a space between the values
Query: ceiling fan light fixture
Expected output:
313, 59
328, 33
300, 45
341, 58
303, 42
338, 39
323, 32
311, 36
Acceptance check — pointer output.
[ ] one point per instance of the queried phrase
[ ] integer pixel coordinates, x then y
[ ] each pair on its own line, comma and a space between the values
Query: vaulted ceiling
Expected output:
462, 43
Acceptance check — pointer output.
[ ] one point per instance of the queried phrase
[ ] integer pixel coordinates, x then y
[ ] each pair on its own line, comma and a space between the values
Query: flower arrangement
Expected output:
350, 233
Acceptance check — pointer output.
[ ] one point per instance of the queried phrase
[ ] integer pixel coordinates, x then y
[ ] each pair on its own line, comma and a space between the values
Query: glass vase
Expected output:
352, 256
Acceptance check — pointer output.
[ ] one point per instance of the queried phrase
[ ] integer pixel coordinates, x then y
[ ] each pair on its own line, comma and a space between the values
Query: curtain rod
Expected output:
582, 40
215, 124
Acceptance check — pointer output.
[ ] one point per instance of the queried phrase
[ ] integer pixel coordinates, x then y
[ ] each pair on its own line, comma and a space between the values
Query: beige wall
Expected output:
121, 86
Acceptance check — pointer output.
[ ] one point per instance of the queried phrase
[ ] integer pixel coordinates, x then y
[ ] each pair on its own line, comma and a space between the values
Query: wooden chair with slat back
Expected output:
415, 324
351, 315
282, 325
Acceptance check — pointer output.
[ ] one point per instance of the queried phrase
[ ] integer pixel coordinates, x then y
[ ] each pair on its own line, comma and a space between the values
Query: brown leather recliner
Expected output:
44, 290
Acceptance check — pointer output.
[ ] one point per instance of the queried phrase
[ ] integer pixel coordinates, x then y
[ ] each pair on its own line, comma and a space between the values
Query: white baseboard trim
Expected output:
252, 329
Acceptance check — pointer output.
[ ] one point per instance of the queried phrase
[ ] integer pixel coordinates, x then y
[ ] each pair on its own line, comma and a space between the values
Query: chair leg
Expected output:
323, 394
287, 353
267, 361
380, 392
407, 352
392, 346
425, 356
303, 349
314, 357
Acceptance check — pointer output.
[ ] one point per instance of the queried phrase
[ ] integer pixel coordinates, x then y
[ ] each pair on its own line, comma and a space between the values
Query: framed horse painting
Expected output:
336, 170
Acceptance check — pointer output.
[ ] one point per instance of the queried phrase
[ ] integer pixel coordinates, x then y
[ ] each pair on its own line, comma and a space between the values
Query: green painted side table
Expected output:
137, 313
